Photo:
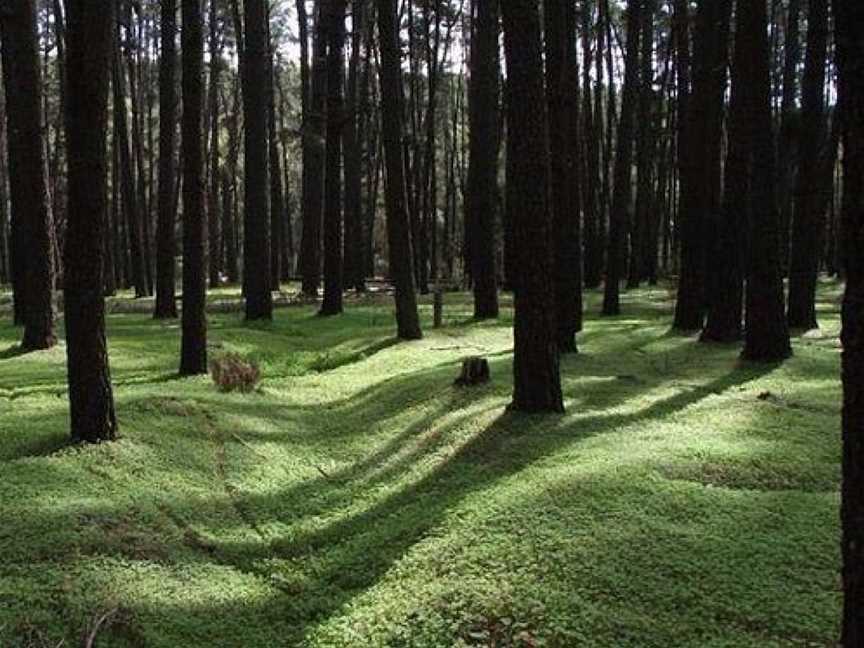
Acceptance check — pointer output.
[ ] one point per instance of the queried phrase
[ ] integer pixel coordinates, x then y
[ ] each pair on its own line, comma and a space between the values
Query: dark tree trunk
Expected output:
109, 268
305, 92
214, 219
430, 151
810, 204
766, 336
645, 154
605, 23
5, 266
90, 38
849, 21
725, 312
681, 36
131, 206
622, 197
335, 16
166, 306
314, 139
398, 233
256, 82
230, 192
536, 379
353, 252
287, 221
193, 348
277, 196
131, 50
562, 94
593, 124
789, 138
481, 200
115, 220
34, 280
701, 133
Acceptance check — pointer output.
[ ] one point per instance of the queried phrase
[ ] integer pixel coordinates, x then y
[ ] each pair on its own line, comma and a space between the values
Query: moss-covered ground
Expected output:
359, 499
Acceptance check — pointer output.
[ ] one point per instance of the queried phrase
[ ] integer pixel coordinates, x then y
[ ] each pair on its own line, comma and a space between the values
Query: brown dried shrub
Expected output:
232, 372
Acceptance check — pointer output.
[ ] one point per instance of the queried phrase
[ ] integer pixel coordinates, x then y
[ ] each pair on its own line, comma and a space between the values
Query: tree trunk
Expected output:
481, 195
353, 156
314, 140
702, 130
645, 153
335, 17
139, 179
562, 97
849, 21
230, 191
623, 191
90, 34
256, 81
790, 137
726, 305
5, 266
165, 242
398, 233
34, 283
193, 348
131, 207
810, 204
536, 379
287, 221
592, 128
767, 334
214, 220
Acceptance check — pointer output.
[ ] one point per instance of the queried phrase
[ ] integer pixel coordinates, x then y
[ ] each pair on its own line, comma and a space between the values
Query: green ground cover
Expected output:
359, 499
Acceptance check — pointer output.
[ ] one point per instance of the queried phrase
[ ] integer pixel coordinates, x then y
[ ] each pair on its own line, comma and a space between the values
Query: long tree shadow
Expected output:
14, 351
359, 549
346, 555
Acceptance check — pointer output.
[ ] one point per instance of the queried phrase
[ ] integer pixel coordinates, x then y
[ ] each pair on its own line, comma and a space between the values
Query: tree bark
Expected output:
481, 201
398, 233
34, 285
90, 34
593, 124
214, 219
766, 336
562, 98
849, 21
131, 206
166, 306
335, 16
790, 137
314, 159
5, 266
622, 197
725, 310
808, 223
193, 348
230, 191
353, 154
536, 379
645, 153
256, 81
702, 130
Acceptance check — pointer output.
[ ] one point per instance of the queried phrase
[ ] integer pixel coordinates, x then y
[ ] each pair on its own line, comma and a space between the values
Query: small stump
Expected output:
438, 307
475, 371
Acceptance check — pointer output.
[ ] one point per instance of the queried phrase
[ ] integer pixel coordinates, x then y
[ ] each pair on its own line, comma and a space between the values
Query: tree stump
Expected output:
438, 307
475, 371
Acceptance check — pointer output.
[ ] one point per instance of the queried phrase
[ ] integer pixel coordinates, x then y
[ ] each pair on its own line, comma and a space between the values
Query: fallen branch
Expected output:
91, 637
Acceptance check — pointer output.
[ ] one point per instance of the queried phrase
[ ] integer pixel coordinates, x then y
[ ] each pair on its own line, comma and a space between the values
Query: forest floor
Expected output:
358, 498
